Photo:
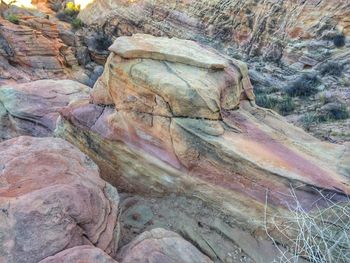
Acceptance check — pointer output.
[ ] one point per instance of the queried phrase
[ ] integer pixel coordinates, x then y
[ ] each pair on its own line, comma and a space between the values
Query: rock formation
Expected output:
33, 108
86, 254
52, 198
160, 245
180, 125
280, 40
258, 27
35, 49
204, 173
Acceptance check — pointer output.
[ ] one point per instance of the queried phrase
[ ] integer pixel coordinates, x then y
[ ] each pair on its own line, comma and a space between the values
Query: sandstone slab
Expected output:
172, 50
160, 245
32, 108
168, 88
51, 199
86, 254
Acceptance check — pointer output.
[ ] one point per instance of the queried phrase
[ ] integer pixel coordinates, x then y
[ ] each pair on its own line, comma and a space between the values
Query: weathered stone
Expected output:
51, 199
172, 50
33, 108
158, 141
170, 88
160, 245
86, 254
278, 39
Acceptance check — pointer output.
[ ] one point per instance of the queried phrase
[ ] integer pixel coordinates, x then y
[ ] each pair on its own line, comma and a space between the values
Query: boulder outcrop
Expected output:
51, 199
160, 245
86, 254
183, 127
33, 108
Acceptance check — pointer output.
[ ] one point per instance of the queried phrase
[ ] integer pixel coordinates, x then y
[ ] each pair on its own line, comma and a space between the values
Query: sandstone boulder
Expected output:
86, 254
172, 50
51, 199
178, 128
33, 108
172, 78
160, 245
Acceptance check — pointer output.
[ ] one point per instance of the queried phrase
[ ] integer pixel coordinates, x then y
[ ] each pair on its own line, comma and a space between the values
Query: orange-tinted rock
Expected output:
33, 50
51, 199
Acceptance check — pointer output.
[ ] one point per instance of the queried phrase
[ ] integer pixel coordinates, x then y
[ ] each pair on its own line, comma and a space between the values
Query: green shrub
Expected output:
335, 111
304, 86
332, 68
266, 101
308, 120
339, 41
13, 19
76, 23
286, 106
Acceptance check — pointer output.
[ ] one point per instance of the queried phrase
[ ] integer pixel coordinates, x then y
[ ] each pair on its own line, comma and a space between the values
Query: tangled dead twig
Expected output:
319, 236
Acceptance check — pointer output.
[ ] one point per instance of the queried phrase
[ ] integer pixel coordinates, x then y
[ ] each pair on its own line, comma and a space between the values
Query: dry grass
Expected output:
322, 235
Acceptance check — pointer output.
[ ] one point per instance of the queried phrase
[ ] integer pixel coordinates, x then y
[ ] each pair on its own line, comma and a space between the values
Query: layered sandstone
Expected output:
186, 128
255, 26
51, 199
34, 49
279, 40
33, 108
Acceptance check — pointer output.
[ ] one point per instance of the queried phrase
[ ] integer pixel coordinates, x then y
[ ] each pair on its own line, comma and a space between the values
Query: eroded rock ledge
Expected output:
167, 125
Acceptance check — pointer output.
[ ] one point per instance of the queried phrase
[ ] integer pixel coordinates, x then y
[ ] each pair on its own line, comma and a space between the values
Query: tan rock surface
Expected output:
51, 199
172, 50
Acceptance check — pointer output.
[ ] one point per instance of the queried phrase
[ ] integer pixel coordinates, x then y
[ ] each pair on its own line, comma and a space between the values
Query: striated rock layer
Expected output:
33, 108
33, 50
51, 199
281, 40
181, 127
86, 254
257, 27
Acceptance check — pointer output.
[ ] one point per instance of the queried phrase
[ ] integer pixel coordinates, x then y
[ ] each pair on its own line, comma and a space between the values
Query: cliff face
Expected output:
281, 41
253, 26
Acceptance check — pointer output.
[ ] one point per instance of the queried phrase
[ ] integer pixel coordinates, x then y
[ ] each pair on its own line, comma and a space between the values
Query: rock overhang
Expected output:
168, 49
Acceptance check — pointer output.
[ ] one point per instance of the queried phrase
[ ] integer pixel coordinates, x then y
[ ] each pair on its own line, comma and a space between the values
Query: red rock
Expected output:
51, 199
80, 254
33, 108
161, 246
